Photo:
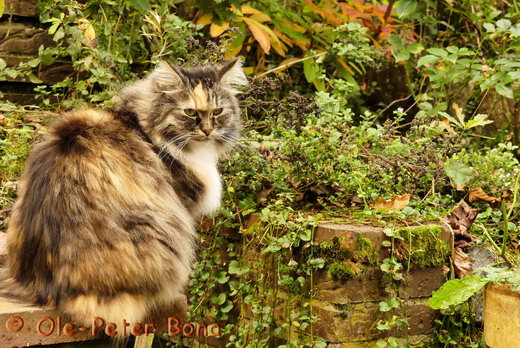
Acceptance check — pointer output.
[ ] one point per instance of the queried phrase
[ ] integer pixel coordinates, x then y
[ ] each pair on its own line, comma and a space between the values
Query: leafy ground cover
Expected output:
386, 113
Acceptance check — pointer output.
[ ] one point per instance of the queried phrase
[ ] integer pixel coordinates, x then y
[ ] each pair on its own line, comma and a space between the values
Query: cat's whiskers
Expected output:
180, 137
235, 140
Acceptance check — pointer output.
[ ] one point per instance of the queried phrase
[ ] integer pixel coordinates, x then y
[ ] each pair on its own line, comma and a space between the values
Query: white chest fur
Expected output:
202, 160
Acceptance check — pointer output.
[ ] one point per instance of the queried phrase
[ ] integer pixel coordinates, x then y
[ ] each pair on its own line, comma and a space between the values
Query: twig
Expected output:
392, 103
281, 67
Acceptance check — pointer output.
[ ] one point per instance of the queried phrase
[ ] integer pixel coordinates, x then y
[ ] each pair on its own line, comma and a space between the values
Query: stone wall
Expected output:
348, 310
21, 35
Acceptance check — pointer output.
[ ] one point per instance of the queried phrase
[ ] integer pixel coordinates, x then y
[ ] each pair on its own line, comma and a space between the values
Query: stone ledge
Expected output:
23, 39
23, 8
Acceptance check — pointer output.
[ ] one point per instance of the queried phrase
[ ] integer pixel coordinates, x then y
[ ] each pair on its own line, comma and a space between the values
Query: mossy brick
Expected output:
349, 236
23, 8
358, 322
369, 286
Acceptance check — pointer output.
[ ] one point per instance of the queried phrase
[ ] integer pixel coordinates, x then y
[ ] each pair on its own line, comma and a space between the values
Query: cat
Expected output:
108, 201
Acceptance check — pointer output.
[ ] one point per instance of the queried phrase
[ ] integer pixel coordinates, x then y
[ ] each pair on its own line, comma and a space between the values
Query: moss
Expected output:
364, 251
342, 271
421, 247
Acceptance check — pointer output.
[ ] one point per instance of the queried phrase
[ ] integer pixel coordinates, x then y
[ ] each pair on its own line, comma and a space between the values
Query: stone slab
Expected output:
23, 8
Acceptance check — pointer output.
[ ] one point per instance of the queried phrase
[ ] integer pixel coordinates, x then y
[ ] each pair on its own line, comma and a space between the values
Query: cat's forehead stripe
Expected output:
200, 97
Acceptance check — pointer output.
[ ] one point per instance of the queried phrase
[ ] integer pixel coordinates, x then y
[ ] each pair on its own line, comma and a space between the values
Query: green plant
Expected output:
458, 291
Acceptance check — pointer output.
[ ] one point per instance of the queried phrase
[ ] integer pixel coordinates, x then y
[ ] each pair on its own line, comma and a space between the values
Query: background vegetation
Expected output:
384, 112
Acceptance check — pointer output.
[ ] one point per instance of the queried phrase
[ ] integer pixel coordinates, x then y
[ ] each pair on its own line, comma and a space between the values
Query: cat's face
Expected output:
194, 106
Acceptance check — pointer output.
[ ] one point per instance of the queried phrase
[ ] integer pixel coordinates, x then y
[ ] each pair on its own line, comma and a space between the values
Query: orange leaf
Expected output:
260, 17
246, 9
259, 33
205, 19
394, 203
217, 30
279, 47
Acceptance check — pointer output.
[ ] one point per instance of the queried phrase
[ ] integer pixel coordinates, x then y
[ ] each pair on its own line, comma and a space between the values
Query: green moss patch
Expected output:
421, 247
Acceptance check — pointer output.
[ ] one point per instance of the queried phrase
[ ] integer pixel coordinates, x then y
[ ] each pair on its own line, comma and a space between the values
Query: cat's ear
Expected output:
167, 78
232, 76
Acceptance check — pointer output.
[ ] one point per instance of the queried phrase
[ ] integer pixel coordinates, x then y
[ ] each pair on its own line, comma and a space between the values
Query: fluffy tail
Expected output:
11, 290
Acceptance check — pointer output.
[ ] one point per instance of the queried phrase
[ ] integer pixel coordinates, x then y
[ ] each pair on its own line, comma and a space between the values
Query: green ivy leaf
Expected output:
439, 52
2, 7
458, 172
428, 59
503, 24
406, 7
3, 64
236, 268
395, 41
490, 28
504, 90
227, 307
218, 299
456, 291
222, 277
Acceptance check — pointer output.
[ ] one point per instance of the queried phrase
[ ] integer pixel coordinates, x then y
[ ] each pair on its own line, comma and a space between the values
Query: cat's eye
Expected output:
218, 111
190, 112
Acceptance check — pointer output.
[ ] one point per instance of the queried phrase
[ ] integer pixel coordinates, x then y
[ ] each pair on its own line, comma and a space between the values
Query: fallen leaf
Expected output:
462, 263
460, 220
394, 203
477, 194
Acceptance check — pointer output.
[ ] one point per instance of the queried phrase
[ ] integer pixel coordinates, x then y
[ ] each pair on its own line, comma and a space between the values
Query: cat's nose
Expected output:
207, 130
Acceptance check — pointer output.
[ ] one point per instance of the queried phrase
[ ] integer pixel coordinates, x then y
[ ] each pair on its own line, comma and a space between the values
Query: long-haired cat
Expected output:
104, 222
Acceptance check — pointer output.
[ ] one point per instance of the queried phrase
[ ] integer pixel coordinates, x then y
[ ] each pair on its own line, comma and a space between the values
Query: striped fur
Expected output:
104, 222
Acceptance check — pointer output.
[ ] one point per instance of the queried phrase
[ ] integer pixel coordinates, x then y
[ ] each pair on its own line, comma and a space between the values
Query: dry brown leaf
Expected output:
286, 245
477, 194
460, 221
394, 203
462, 263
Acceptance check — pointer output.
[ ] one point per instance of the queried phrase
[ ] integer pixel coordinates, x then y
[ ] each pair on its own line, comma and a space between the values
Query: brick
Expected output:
347, 235
370, 285
421, 282
24, 8
28, 334
22, 38
357, 322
